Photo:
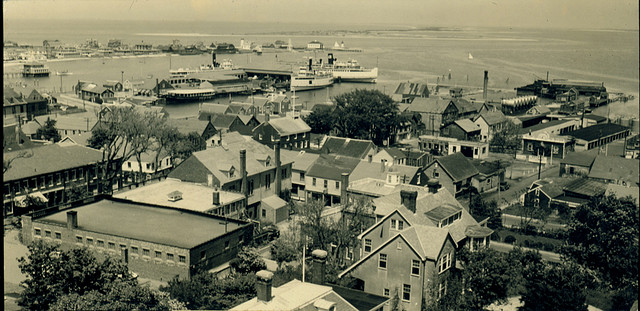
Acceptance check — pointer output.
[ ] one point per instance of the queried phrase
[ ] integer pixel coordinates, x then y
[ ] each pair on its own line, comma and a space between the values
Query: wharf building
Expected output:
551, 89
17, 106
155, 242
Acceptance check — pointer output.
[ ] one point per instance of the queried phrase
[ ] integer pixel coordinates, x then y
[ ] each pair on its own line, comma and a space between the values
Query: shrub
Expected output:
549, 247
510, 239
527, 243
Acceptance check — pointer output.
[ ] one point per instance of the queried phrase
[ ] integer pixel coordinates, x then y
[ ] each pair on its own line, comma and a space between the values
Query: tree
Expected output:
554, 287
51, 273
166, 138
49, 131
248, 261
479, 207
320, 120
285, 249
486, 278
365, 114
532, 209
188, 145
205, 291
75, 191
603, 236
507, 140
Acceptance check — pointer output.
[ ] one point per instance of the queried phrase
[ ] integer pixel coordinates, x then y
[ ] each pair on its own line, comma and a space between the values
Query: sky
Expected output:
576, 14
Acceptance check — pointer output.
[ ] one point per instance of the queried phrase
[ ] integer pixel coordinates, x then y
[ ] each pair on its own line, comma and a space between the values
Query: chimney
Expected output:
215, 198
266, 117
18, 130
319, 260
220, 134
72, 220
243, 172
125, 255
263, 285
344, 195
370, 158
408, 199
484, 88
210, 180
433, 185
278, 172
382, 165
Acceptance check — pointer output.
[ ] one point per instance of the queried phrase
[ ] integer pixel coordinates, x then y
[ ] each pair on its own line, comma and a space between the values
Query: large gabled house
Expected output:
204, 128
434, 113
18, 105
348, 147
406, 92
302, 161
490, 122
327, 178
454, 172
289, 132
615, 170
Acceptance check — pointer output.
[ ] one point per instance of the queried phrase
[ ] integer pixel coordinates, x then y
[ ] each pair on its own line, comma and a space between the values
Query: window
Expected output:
58, 235
400, 224
42, 182
530, 147
78, 239
385, 292
267, 181
47, 233
145, 252
169, 256
148, 166
442, 289
326, 183
100, 243
301, 176
399, 245
436, 174
182, 258
90, 241
397, 224
406, 292
134, 249
382, 261
415, 267
313, 181
203, 255
264, 212
37, 231
348, 255
112, 245
393, 223
226, 244
445, 263
128, 164
250, 186
158, 254
367, 245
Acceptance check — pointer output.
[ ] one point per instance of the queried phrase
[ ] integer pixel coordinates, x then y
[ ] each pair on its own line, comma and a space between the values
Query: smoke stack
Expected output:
433, 185
243, 172
213, 60
263, 285
319, 260
72, 220
408, 199
215, 198
125, 255
344, 195
486, 83
278, 173
310, 63
370, 158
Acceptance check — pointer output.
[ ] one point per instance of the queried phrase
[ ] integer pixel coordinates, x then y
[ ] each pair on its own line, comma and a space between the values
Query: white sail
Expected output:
470, 56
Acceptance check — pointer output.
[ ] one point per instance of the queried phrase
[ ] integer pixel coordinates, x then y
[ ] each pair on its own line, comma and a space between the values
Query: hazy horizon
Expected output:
567, 14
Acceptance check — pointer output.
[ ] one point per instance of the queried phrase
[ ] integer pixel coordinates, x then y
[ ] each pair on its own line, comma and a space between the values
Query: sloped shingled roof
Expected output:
349, 147
458, 166
429, 105
615, 168
50, 158
332, 166
188, 125
413, 89
596, 131
289, 126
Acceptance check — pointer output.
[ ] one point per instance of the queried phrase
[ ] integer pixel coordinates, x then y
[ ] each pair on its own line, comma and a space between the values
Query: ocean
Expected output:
513, 56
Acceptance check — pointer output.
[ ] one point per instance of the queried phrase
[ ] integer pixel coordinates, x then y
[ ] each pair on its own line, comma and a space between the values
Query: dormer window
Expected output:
232, 171
267, 162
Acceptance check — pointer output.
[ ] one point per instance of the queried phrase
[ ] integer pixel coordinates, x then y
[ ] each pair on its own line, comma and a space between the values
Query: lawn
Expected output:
531, 241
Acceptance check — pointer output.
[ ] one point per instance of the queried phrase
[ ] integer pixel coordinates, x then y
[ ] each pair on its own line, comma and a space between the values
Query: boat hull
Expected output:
305, 84
364, 76
189, 96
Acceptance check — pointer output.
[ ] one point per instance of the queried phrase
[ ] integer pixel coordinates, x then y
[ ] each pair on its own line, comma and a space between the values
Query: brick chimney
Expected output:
72, 220
263, 285
344, 183
370, 158
243, 172
486, 83
319, 262
433, 185
278, 173
215, 198
408, 199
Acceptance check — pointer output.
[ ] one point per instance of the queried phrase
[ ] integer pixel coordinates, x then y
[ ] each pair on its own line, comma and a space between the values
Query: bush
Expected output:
527, 243
510, 239
495, 236
549, 247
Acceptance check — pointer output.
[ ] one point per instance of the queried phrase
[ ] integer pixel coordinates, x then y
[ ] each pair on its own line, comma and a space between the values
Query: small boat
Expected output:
470, 56
63, 73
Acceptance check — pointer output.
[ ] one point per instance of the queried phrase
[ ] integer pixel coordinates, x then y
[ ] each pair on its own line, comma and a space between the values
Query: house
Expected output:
490, 122
160, 88
185, 126
538, 110
315, 45
615, 170
70, 124
289, 132
187, 242
348, 147
392, 174
81, 139
151, 165
327, 178
577, 163
438, 145
14, 139
17, 104
188, 196
570, 95
463, 129
592, 119
242, 108
545, 147
597, 136
227, 123
545, 193
407, 91
249, 121
434, 113
580, 191
226, 139
245, 166
393, 155
468, 110
302, 161
48, 172
274, 210
454, 172
490, 174
95, 93
113, 85
632, 147
207, 109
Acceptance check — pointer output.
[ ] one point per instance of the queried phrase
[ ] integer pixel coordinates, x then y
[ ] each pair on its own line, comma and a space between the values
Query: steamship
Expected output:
350, 71
309, 78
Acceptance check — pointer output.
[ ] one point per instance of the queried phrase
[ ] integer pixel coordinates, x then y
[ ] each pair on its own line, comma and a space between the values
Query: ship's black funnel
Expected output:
330, 58
310, 63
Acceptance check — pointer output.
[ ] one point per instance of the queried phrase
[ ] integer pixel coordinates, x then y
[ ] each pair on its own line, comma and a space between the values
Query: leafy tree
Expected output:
205, 291
76, 191
365, 114
507, 140
49, 131
479, 207
52, 273
188, 145
314, 226
320, 120
486, 278
248, 261
603, 236
285, 249
554, 287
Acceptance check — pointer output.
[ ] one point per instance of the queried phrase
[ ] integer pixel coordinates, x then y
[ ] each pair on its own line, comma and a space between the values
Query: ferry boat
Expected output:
350, 71
183, 72
35, 70
189, 95
309, 79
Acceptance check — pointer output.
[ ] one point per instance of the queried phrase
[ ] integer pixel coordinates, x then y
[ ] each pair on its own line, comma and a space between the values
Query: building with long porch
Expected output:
448, 146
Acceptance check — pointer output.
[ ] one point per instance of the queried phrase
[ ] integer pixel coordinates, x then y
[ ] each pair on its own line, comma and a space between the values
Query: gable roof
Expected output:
223, 121
457, 166
492, 117
615, 168
395, 152
288, 126
545, 125
330, 166
583, 158
413, 89
596, 131
80, 122
467, 125
540, 109
302, 160
349, 147
50, 158
9, 135
377, 170
429, 105
585, 186
214, 108
189, 125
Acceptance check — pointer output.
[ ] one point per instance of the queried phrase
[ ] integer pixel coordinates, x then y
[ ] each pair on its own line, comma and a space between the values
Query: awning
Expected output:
21, 200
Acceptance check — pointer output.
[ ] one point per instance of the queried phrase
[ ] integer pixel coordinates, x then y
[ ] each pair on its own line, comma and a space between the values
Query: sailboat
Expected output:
470, 56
